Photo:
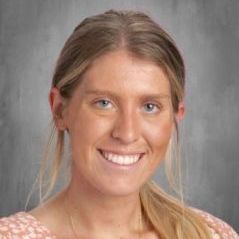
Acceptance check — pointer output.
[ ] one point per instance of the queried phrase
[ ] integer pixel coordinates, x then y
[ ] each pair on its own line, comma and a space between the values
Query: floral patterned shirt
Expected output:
22, 225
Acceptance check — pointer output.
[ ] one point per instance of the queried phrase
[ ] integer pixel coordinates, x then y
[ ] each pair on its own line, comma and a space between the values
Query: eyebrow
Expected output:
144, 96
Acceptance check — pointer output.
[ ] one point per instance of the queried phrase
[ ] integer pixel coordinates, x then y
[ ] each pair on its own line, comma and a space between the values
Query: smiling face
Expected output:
120, 120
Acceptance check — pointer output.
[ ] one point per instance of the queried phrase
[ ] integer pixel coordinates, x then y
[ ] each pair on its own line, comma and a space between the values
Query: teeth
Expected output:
121, 159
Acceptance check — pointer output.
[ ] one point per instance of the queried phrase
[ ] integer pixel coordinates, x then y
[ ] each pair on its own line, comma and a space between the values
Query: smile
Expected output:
121, 159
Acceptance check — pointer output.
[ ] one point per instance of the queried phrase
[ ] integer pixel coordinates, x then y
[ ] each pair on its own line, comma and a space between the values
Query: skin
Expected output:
122, 105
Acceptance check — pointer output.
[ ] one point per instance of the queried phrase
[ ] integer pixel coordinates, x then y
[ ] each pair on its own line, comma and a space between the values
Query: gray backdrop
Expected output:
207, 32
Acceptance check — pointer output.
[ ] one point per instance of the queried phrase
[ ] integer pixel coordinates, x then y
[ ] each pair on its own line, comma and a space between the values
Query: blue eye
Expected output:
151, 108
105, 104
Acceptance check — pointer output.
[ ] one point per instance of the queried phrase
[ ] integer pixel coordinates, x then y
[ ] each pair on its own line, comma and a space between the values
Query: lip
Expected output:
122, 152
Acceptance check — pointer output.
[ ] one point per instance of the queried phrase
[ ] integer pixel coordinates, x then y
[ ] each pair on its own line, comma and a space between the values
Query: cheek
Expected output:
87, 128
159, 134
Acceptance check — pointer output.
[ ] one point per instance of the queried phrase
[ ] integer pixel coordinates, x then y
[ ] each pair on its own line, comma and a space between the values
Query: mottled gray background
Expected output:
207, 32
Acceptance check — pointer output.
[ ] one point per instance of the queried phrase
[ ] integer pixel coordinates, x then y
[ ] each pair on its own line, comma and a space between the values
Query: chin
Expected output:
121, 189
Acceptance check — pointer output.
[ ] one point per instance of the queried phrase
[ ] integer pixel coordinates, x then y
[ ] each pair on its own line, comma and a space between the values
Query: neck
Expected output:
100, 214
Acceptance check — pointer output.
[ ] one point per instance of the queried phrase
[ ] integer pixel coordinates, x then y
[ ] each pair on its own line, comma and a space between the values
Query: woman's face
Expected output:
120, 121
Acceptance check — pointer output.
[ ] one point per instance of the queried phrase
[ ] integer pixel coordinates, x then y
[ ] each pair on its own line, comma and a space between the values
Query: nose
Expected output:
127, 127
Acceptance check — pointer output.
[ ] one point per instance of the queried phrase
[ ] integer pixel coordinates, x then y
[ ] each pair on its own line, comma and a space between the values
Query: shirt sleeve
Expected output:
23, 226
218, 228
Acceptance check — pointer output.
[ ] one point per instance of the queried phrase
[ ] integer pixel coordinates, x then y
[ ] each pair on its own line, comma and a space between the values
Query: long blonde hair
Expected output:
138, 34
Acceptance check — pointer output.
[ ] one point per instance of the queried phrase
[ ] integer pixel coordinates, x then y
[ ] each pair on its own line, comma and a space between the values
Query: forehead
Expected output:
121, 73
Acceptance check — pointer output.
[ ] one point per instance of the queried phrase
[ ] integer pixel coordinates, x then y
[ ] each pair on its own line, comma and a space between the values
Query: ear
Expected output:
57, 107
181, 111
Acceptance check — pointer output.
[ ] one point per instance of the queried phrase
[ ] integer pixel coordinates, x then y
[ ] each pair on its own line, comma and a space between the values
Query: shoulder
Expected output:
22, 225
219, 228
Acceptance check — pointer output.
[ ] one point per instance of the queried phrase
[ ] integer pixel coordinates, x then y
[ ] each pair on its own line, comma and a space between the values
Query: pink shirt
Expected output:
22, 225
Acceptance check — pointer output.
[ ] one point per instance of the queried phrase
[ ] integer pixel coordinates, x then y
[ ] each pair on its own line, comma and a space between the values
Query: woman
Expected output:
117, 92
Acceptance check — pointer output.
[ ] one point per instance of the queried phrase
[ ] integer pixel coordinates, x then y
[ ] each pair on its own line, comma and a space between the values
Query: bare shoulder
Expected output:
51, 214
45, 212
219, 228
